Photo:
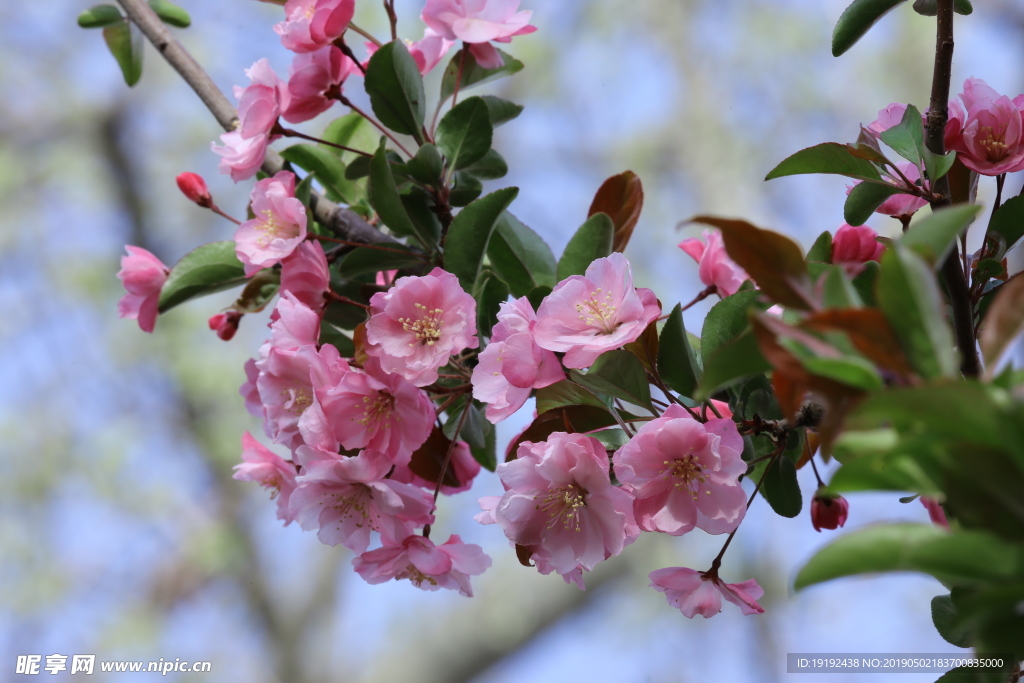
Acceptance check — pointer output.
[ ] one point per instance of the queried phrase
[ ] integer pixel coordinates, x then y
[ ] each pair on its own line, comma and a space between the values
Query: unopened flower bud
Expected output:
828, 512
935, 511
225, 324
194, 187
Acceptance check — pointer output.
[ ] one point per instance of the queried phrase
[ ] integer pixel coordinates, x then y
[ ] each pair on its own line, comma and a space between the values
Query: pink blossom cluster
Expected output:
477, 23
352, 431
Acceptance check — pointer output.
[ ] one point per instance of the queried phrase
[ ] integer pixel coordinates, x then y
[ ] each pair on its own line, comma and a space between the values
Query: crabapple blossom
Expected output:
279, 225
225, 324
259, 105
887, 118
715, 267
989, 137
935, 511
855, 245
143, 276
427, 566
194, 187
311, 77
513, 364
261, 465
306, 276
312, 24
828, 512
295, 325
419, 323
369, 409
463, 467
477, 22
693, 592
904, 204
347, 498
249, 392
559, 501
684, 474
586, 315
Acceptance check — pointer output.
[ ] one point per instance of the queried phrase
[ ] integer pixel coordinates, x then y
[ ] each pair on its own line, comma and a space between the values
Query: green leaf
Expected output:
100, 16
565, 393
727, 320
907, 137
170, 13
520, 257
210, 268
329, 334
359, 168
862, 201
593, 240
935, 236
490, 166
470, 233
850, 370
613, 439
855, 21
821, 250
677, 361
419, 207
363, 260
466, 189
465, 132
947, 622
838, 290
124, 41
487, 454
938, 165
328, 168
350, 130
913, 304
737, 360
829, 158
385, 200
473, 74
537, 296
491, 293
427, 166
620, 374
502, 111
1008, 221
395, 87
473, 425
865, 283
780, 488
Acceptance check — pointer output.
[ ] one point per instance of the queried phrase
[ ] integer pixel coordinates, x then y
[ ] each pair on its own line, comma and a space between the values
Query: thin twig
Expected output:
348, 103
288, 132
365, 34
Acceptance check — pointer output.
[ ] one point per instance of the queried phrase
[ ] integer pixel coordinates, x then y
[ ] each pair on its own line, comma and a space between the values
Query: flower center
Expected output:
427, 328
356, 505
377, 411
598, 312
687, 473
270, 229
995, 147
297, 399
416, 576
563, 505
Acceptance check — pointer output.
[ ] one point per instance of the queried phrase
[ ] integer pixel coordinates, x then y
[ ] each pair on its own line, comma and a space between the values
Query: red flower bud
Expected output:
225, 324
828, 512
194, 187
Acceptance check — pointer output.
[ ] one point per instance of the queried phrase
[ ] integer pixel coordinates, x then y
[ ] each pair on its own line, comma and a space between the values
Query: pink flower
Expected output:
693, 592
225, 324
427, 566
715, 267
560, 500
419, 323
935, 511
249, 392
311, 78
306, 275
477, 22
684, 474
463, 466
347, 498
991, 134
370, 409
513, 364
295, 325
828, 512
287, 384
259, 105
587, 315
194, 187
853, 246
904, 204
887, 118
143, 276
261, 465
278, 228
312, 24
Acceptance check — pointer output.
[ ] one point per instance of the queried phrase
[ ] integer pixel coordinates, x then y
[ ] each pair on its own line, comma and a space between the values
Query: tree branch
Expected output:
340, 220
952, 273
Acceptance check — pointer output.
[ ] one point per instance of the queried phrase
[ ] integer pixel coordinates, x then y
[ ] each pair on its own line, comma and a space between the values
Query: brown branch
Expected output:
952, 273
338, 219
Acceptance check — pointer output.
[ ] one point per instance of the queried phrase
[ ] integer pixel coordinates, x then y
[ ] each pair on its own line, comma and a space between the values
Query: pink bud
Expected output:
225, 324
828, 512
855, 245
194, 187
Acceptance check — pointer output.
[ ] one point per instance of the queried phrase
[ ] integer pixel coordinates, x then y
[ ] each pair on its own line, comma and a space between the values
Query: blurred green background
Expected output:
123, 534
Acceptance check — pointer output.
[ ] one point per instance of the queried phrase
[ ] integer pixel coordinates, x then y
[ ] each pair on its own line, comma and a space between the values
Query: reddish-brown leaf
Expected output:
646, 347
359, 340
789, 392
523, 554
563, 419
621, 197
1003, 321
870, 333
773, 261
428, 459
